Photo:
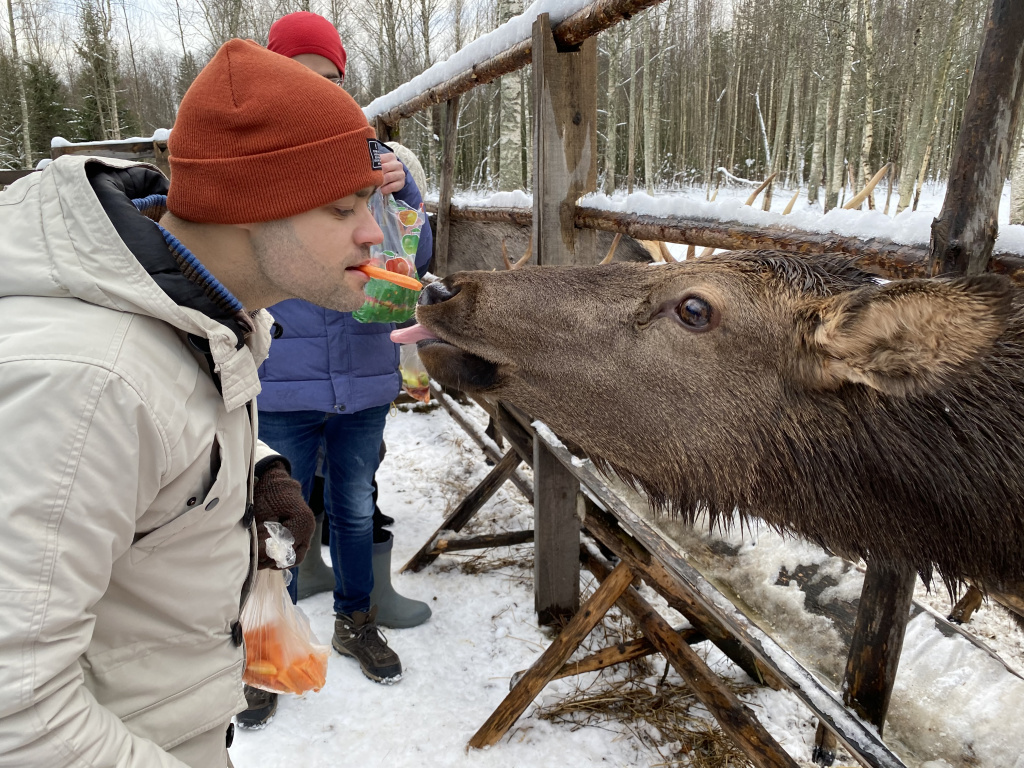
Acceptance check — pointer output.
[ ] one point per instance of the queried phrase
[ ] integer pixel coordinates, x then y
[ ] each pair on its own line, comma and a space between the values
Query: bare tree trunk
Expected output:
510, 147
108, 44
1017, 182
781, 123
832, 194
631, 129
864, 172
648, 113
433, 114
938, 92
912, 147
818, 148
610, 144
26, 132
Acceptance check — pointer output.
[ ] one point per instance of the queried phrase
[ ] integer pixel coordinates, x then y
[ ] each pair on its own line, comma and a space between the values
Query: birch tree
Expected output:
510, 164
838, 165
19, 73
1017, 180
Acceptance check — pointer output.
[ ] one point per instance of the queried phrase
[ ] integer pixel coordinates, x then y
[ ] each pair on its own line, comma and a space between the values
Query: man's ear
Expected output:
903, 338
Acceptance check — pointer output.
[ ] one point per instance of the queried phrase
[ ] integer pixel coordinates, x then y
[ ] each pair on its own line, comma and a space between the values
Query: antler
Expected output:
611, 251
862, 195
760, 189
525, 257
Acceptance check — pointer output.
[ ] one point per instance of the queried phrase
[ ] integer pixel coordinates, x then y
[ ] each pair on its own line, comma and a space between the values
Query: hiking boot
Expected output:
260, 710
359, 636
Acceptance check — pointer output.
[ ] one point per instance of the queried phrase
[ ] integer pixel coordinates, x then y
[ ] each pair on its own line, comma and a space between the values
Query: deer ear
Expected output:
903, 338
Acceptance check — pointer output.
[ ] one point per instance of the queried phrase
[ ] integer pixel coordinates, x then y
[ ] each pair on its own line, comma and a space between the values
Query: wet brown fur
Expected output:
882, 421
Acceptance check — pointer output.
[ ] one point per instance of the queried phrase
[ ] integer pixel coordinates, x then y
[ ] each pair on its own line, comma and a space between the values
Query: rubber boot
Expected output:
315, 576
393, 610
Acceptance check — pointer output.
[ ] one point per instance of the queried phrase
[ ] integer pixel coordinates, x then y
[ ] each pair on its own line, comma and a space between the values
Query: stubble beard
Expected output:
282, 266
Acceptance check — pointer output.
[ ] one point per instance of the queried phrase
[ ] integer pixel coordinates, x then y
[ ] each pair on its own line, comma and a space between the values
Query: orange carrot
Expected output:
392, 277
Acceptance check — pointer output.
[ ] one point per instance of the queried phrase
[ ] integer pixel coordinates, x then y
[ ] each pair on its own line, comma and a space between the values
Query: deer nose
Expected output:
436, 293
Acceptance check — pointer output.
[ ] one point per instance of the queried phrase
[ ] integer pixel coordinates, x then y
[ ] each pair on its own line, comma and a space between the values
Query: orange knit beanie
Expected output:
260, 137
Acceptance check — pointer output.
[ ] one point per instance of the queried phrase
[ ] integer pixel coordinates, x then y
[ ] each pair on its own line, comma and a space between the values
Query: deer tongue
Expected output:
411, 335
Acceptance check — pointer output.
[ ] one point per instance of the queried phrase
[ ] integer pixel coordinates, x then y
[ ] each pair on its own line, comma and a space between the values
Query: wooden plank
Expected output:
543, 671
464, 512
449, 139
581, 25
893, 260
858, 738
556, 563
564, 143
488, 541
9, 177
126, 150
965, 231
603, 526
488, 446
616, 654
733, 716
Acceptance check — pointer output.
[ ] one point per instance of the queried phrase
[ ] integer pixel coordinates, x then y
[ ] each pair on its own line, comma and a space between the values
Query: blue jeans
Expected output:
351, 444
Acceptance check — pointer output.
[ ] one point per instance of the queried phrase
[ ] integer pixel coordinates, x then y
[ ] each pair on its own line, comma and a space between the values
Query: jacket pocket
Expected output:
195, 512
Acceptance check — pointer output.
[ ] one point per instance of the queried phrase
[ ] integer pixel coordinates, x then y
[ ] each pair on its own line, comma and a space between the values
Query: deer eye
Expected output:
697, 314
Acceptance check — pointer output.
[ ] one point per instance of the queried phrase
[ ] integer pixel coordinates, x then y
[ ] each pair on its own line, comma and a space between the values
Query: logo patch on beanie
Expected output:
376, 149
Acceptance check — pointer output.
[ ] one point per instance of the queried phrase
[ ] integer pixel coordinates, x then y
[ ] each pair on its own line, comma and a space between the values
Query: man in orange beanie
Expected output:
134, 486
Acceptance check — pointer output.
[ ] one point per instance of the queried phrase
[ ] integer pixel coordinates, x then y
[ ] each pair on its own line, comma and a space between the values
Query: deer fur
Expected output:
881, 420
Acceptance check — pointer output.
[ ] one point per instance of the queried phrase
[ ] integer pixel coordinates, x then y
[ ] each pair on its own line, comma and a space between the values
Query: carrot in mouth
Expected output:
403, 281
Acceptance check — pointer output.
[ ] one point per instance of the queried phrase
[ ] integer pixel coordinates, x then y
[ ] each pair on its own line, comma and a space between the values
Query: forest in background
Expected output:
824, 92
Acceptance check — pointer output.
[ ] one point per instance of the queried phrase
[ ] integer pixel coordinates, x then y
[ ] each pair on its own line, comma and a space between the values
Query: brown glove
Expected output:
278, 499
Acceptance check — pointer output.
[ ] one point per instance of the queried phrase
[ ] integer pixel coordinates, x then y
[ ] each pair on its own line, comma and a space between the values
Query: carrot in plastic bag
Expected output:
281, 652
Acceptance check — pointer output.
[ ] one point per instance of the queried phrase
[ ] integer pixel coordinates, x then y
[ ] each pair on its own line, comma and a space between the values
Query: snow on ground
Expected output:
458, 665
907, 228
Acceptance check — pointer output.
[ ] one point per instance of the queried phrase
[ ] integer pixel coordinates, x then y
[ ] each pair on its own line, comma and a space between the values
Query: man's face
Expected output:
313, 255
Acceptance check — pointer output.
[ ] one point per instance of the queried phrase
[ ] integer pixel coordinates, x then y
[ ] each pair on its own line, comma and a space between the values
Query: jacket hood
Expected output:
72, 231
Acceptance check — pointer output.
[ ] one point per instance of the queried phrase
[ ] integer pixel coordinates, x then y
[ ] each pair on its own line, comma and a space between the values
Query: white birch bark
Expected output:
510, 145
1017, 180
838, 166
26, 127
648, 111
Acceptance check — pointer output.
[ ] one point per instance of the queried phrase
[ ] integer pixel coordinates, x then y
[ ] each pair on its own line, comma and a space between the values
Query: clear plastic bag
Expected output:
415, 379
387, 302
281, 652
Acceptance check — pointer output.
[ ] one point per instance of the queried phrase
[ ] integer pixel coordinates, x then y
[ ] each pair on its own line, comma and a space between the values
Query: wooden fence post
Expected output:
449, 140
385, 132
564, 146
556, 547
882, 616
965, 231
565, 168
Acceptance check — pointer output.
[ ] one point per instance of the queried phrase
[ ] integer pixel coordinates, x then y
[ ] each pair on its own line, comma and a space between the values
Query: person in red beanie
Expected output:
135, 489
327, 389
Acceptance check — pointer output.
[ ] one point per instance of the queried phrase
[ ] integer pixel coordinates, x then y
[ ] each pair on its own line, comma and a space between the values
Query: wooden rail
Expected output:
890, 259
568, 34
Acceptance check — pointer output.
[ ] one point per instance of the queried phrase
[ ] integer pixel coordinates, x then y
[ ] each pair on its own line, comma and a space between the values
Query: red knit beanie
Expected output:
260, 137
305, 32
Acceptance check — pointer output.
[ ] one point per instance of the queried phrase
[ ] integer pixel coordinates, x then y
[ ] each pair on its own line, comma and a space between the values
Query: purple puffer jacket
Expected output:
325, 360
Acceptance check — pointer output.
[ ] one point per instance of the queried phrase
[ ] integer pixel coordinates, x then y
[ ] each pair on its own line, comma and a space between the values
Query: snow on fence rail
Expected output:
506, 49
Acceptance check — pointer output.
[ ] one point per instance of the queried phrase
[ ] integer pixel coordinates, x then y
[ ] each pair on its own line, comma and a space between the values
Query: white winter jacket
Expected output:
124, 480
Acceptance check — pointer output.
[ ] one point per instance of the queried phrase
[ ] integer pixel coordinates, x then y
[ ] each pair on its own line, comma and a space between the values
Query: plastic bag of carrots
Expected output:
281, 652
